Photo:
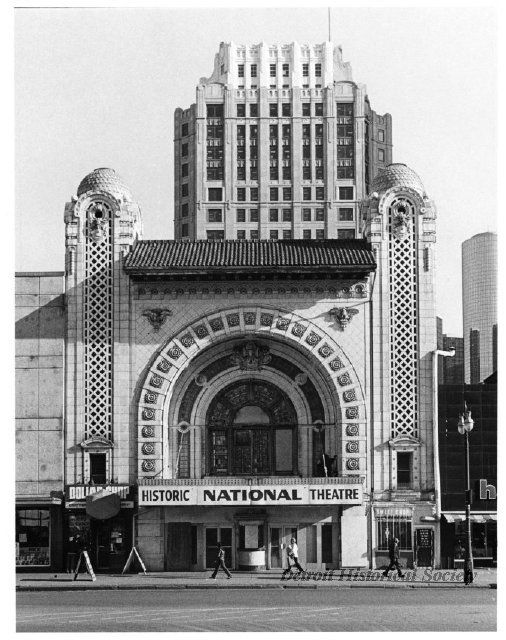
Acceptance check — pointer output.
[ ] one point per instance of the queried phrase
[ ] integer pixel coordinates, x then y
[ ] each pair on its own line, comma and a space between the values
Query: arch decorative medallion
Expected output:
257, 322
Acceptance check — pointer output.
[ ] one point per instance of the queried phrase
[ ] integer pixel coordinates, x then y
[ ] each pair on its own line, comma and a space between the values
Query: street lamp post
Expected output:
465, 426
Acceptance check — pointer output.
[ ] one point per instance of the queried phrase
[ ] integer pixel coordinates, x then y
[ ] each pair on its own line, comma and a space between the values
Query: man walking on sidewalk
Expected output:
393, 552
292, 553
220, 562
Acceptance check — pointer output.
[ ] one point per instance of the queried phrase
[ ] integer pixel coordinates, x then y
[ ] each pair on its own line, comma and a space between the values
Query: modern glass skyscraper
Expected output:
479, 303
280, 144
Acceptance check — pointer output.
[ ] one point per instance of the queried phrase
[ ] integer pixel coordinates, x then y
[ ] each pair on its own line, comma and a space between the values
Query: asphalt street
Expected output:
258, 610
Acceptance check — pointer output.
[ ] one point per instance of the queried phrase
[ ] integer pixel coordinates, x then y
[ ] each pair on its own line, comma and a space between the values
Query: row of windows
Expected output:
345, 214
215, 194
275, 234
285, 70
274, 112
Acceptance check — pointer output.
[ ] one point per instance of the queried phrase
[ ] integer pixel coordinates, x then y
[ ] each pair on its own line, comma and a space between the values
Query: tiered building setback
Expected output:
280, 144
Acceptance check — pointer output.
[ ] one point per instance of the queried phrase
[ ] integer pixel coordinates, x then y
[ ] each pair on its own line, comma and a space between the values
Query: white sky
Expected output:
98, 88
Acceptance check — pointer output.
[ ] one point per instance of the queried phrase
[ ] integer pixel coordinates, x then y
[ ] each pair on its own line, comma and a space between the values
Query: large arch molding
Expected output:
177, 354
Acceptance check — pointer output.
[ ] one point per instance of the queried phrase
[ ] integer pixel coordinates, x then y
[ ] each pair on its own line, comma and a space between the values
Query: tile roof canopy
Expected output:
151, 257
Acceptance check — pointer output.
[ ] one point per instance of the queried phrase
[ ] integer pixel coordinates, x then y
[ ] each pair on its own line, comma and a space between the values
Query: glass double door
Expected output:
279, 539
212, 537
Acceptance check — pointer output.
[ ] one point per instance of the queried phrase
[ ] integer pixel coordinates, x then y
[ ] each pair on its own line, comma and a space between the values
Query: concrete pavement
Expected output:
348, 578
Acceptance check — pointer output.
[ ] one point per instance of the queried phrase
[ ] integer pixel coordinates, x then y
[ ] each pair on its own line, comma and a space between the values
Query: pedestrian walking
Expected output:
292, 553
220, 562
73, 548
393, 552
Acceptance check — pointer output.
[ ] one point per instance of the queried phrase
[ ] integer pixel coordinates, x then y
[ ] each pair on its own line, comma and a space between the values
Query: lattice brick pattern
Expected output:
98, 318
404, 330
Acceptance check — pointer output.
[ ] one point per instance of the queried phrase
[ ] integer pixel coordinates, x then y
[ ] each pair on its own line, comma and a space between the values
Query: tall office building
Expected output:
479, 303
280, 144
450, 370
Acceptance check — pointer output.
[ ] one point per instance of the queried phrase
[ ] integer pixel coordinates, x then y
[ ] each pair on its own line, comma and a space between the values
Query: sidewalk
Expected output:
340, 579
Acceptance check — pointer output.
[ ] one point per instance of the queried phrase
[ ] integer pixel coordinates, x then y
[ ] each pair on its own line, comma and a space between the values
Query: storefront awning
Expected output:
475, 517
103, 505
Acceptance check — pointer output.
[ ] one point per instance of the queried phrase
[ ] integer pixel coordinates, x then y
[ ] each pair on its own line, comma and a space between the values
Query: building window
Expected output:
253, 194
253, 110
287, 234
216, 234
320, 193
273, 109
98, 468
32, 537
320, 215
214, 215
306, 234
273, 234
184, 150
253, 71
404, 470
184, 210
318, 108
241, 234
345, 214
318, 70
184, 130
306, 193
273, 194
253, 215
320, 234
346, 234
253, 234
381, 155
286, 109
240, 70
184, 189
305, 69
306, 215
240, 215
287, 193
215, 110
306, 109
306, 171
184, 230
241, 171
287, 173
241, 110
287, 215
273, 215
241, 194
394, 527
215, 194
286, 70
272, 70
381, 135
184, 170
345, 193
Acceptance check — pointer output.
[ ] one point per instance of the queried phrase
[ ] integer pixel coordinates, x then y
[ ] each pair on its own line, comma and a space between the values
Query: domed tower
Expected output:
101, 224
399, 222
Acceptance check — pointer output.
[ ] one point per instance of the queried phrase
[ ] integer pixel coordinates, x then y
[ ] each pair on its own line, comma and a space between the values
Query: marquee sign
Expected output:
250, 495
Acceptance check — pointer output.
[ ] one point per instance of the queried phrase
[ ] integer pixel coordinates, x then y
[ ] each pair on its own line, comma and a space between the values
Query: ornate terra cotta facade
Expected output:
250, 391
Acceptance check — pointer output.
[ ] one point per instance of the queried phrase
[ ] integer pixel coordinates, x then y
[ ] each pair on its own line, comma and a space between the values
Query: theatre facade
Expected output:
246, 392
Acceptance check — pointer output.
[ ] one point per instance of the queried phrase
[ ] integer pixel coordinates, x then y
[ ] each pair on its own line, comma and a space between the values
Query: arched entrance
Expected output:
251, 430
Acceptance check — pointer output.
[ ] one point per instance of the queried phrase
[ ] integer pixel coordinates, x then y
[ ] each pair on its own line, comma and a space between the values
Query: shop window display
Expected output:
32, 537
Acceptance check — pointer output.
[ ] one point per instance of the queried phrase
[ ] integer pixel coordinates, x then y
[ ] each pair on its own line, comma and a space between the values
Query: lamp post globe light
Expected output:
465, 426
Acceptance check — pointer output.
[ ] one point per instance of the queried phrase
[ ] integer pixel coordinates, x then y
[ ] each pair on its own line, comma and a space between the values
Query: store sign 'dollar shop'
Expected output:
296, 494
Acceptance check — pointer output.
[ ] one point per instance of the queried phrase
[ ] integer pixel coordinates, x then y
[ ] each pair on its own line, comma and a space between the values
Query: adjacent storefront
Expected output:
39, 534
100, 523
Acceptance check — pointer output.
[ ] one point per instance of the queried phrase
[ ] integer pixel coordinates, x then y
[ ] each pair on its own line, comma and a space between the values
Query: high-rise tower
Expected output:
280, 144
479, 304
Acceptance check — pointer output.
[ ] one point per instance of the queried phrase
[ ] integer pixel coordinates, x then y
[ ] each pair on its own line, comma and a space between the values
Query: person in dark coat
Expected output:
393, 552
73, 550
220, 562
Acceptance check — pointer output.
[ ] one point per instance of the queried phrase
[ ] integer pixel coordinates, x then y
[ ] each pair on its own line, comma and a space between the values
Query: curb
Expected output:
84, 587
